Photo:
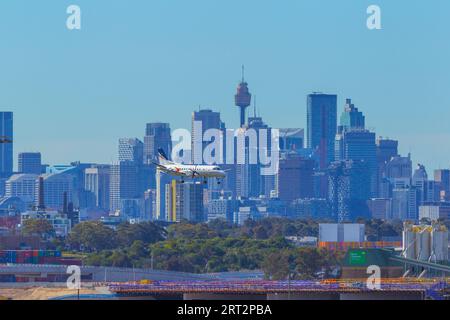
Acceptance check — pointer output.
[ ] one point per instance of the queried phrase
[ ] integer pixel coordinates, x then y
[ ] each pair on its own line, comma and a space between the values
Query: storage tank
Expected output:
409, 238
439, 243
423, 242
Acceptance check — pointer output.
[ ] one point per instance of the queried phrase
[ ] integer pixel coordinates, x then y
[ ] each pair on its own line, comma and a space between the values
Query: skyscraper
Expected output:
6, 149
208, 120
348, 194
359, 144
124, 183
295, 178
442, 178
97, 181
259, 184
131, 149
321, 126
351, 118
399, 168
426, 187
184, 201
291, 139
405, 203
354, 142
386, 150
30, 162
157, 135
252, 142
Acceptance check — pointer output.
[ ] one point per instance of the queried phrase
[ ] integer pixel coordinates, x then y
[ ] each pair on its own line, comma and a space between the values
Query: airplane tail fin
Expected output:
162, 157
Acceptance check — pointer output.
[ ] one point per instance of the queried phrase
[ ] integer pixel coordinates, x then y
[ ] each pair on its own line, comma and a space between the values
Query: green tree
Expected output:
147, 232
120, 259
276, 265
92, 236
38, 227
138, 250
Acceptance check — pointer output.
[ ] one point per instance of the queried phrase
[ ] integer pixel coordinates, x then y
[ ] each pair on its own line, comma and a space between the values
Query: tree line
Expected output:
217, 246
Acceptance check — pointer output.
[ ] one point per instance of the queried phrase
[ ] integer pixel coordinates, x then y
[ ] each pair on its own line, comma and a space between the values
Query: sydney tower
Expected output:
243, 97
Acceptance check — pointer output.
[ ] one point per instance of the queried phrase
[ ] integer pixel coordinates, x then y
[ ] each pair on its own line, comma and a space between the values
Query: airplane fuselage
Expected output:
193, 171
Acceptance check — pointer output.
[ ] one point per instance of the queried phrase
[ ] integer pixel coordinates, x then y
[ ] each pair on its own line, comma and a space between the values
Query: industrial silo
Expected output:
423, 242
439, 243
409, 240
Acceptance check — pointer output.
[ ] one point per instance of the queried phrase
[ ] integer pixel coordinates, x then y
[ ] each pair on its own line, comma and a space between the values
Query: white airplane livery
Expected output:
188, 171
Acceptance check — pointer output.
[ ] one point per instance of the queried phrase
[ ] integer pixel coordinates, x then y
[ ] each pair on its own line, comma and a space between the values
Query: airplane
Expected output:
5, 139
188, 171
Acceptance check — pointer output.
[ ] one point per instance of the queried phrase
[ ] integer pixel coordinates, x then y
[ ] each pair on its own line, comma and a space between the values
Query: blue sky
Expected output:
74, 93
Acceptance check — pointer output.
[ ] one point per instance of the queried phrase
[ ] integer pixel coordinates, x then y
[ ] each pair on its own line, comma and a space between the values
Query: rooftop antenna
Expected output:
243, 73
254, 107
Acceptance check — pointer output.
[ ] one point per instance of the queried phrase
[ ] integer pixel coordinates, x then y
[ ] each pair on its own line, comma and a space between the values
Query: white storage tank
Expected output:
423, 244
439, 244
409, 241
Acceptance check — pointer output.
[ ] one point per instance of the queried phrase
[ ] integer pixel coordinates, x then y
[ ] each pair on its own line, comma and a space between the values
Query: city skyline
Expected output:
393, 73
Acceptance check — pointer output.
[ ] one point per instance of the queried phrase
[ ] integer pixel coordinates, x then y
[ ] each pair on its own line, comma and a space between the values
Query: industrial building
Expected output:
342, 232
425, 242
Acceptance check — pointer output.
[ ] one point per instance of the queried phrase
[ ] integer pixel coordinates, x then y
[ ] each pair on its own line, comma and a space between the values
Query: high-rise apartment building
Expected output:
124, 183
184, 201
